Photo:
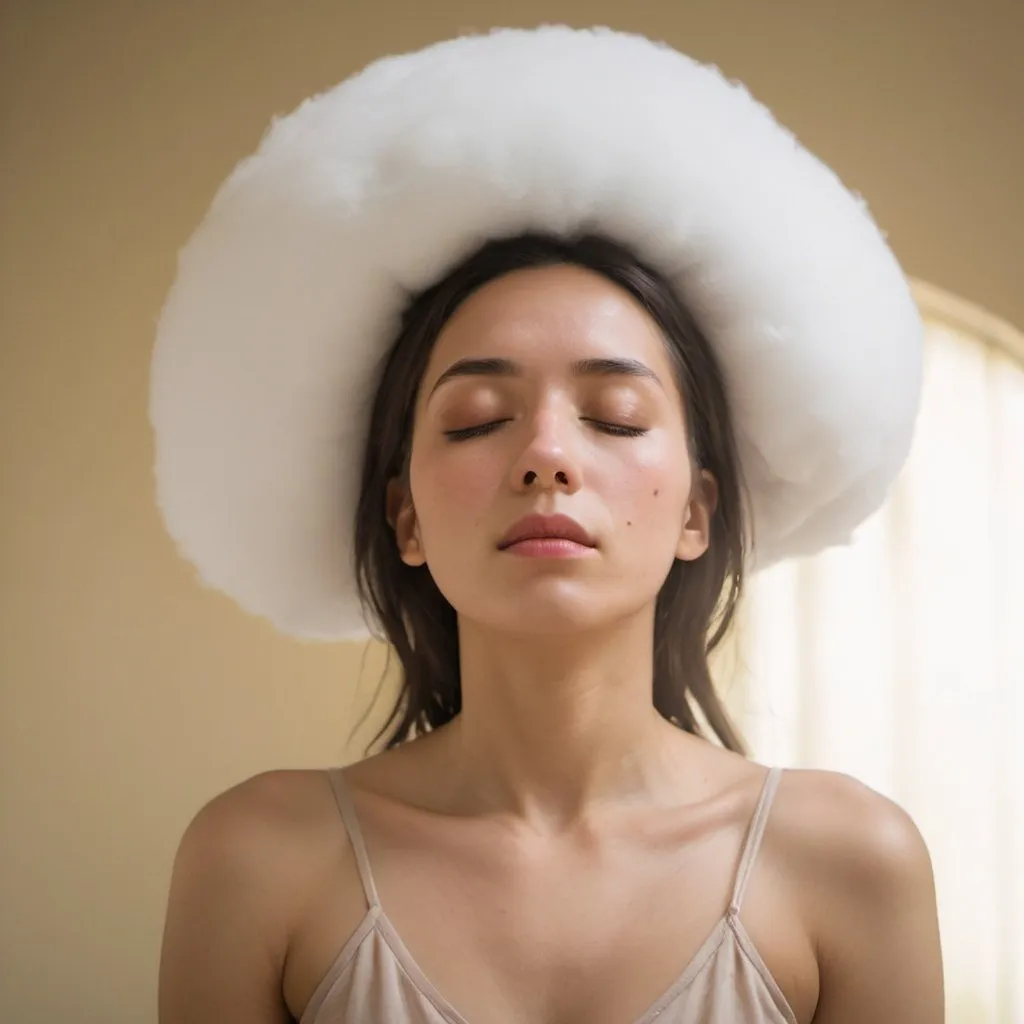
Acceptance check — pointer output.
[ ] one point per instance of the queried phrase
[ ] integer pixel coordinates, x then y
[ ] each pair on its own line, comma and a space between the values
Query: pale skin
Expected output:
558, 852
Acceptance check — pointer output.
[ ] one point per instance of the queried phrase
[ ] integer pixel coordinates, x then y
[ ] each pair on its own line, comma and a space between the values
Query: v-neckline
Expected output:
376, 919
390, 934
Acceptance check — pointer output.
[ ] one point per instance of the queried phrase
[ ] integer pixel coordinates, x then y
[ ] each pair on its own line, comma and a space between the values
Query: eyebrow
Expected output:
611, 367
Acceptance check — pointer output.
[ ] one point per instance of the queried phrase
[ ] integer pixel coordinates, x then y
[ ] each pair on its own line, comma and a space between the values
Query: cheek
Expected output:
649, 491
451, 489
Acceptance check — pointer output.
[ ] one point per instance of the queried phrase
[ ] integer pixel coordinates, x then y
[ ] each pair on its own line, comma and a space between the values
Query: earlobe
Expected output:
410, 547
401, 514
693, 543
407, 535
700, 509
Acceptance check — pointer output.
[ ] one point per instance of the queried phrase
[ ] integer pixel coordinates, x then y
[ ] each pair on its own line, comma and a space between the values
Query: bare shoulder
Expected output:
254, 823
863, 876
245, 867
847, 832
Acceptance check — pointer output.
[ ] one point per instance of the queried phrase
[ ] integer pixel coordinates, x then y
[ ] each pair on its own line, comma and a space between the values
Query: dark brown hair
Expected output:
698, 599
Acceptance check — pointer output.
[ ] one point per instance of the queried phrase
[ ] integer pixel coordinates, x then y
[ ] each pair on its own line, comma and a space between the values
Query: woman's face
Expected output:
550, 391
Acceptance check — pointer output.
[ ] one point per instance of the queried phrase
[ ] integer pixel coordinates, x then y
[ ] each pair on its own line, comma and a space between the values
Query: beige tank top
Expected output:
374, 979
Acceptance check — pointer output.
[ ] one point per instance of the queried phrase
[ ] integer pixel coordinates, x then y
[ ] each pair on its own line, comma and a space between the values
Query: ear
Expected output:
401, 514
700, 510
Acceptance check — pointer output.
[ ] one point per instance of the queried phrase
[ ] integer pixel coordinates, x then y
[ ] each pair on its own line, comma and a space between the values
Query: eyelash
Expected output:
614, 429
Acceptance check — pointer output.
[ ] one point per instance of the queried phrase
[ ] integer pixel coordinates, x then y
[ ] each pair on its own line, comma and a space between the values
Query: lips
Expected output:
538, 527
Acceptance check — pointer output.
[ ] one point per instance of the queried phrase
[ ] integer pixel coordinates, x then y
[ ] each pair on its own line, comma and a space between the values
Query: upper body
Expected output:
557, 846
565, 928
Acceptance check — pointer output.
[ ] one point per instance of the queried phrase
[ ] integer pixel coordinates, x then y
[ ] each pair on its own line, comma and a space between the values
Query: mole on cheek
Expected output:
656, 493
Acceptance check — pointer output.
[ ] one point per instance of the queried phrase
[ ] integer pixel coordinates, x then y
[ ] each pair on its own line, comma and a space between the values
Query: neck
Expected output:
553, 728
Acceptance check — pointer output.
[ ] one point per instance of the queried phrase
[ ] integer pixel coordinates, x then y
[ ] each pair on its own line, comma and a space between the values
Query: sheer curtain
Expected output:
900, 660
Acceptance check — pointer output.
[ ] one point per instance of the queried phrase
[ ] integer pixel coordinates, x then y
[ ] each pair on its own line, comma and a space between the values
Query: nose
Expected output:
547, 462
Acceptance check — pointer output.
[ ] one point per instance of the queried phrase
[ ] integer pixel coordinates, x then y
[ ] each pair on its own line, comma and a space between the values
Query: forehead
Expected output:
548, 317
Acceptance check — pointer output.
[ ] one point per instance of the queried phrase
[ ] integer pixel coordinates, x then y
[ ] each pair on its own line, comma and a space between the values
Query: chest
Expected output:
598, 935
590, 940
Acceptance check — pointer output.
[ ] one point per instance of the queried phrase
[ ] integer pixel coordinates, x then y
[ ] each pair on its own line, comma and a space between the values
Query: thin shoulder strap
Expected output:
754, 833
355, 834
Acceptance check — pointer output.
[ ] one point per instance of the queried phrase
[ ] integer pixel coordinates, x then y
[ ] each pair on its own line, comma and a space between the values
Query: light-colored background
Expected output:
129, 695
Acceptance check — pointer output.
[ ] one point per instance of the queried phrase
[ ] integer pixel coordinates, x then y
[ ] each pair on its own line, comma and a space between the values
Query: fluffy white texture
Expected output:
290, 291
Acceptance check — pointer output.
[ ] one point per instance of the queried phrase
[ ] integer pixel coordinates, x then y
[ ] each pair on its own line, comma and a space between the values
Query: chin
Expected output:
550, 611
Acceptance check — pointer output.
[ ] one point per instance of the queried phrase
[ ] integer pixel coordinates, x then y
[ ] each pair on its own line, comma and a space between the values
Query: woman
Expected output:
579, 437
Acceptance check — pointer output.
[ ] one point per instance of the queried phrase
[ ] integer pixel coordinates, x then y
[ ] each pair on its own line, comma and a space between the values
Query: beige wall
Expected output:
129, 696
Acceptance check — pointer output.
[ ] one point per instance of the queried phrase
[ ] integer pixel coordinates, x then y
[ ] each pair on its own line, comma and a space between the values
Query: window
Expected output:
900, 660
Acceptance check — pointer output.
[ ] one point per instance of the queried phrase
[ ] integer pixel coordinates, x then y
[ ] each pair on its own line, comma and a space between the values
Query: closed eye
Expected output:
469, 432
615, 429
